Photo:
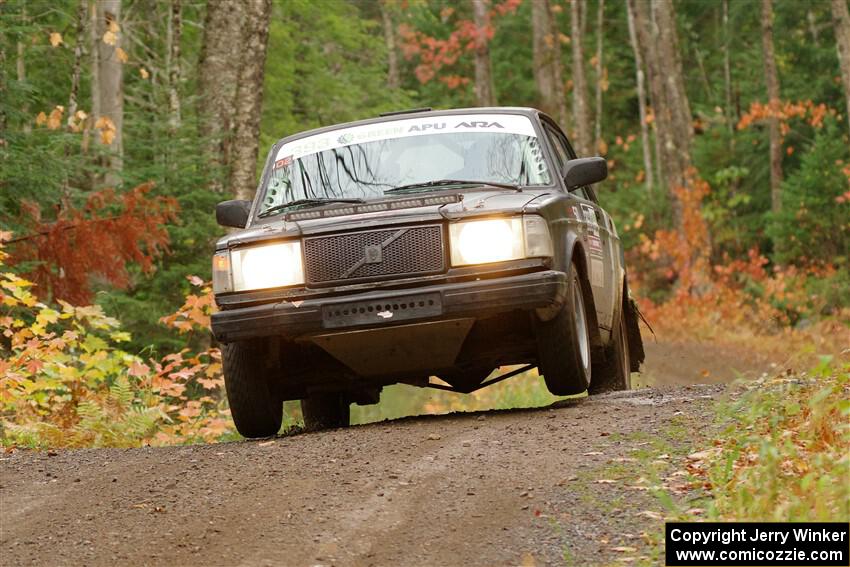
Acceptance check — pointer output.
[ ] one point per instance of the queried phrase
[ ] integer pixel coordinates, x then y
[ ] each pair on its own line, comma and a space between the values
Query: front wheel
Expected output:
563, 342
256, 410
325, 411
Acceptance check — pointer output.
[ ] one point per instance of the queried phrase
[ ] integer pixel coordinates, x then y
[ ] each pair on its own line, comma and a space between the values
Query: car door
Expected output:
599, 237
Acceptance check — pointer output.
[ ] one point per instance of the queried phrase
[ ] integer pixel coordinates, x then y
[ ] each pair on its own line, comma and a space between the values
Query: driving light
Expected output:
498, 240
269, 265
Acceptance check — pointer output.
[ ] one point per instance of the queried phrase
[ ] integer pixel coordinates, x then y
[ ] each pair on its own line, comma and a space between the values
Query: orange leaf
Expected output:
55, 39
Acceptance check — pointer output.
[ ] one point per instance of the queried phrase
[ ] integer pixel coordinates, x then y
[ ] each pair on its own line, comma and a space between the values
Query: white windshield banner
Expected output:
419, 126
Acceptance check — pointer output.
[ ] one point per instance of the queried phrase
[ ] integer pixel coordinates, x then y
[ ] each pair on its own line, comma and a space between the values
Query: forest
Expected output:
725, 125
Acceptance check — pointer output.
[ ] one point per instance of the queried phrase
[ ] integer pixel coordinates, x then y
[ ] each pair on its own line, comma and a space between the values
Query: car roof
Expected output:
531, 113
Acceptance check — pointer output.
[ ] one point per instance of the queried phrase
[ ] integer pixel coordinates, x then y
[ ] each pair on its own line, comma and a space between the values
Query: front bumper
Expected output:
385, 308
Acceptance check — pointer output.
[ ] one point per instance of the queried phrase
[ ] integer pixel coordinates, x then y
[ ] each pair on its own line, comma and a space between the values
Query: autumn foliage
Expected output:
435, 54
98, 239
66, 381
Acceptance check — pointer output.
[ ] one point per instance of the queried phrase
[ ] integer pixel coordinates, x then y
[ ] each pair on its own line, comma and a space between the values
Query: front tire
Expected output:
563, 342
325, 411
256, 410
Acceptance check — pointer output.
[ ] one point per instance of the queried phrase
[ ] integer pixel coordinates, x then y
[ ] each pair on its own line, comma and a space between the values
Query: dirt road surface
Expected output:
541, 486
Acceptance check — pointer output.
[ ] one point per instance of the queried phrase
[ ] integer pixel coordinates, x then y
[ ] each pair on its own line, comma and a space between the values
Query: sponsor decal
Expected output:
595, 244
423, 127
419, 126
589, 215
283, 162
480, 124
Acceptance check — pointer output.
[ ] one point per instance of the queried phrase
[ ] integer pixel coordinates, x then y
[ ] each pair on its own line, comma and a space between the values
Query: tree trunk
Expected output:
3, 89
671, 167
771, 80
485, 94
677, 98
95, 60
21, 69
641, 92
175, 31
841, 20
249, 99
217, 79
548, 70
393, 80
727, 74
581, 111
813, 27
600, 79
73, 103
111, 91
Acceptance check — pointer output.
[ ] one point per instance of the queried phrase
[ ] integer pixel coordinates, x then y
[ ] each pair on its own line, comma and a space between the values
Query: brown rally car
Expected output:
417, 244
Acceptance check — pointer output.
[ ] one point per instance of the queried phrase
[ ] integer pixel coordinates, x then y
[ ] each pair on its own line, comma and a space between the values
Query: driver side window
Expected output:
562, 154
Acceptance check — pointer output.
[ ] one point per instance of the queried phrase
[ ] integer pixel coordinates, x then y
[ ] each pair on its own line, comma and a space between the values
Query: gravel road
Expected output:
542, 486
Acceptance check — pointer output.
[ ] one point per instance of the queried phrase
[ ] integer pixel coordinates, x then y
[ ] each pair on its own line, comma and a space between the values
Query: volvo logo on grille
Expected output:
373, 254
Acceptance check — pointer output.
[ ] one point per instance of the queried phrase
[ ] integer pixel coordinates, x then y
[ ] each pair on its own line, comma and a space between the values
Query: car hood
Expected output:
477, 202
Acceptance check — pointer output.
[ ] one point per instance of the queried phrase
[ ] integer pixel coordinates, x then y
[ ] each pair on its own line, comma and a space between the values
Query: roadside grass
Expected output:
785, 453
779, 450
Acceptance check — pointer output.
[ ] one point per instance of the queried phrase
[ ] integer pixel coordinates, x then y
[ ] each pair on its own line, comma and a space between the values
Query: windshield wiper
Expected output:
306, 203
450, 182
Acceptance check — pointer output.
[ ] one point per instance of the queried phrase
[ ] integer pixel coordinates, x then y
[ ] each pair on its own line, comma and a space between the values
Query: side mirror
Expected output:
585, 171
233, 213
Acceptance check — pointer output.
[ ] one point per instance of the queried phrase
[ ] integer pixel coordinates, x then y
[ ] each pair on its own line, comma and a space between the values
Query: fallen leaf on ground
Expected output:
651, 515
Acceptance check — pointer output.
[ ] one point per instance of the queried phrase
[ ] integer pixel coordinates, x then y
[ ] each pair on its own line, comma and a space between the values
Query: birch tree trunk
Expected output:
249, 99
111, 74
641, 93
485, 94
581, 111
221, 57
95, 59
841, 21
174, 34
82, 16
548, 70
727, 75
600, 79
771, 80
393, 80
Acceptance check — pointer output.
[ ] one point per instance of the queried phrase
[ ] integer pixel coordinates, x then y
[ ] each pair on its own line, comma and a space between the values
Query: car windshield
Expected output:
363, 162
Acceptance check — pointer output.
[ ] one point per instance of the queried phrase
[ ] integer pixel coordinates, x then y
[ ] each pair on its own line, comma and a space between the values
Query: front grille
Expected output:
374, 254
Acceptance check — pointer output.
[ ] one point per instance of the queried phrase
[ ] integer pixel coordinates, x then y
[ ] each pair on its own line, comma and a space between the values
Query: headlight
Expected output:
497, 240
258, 267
